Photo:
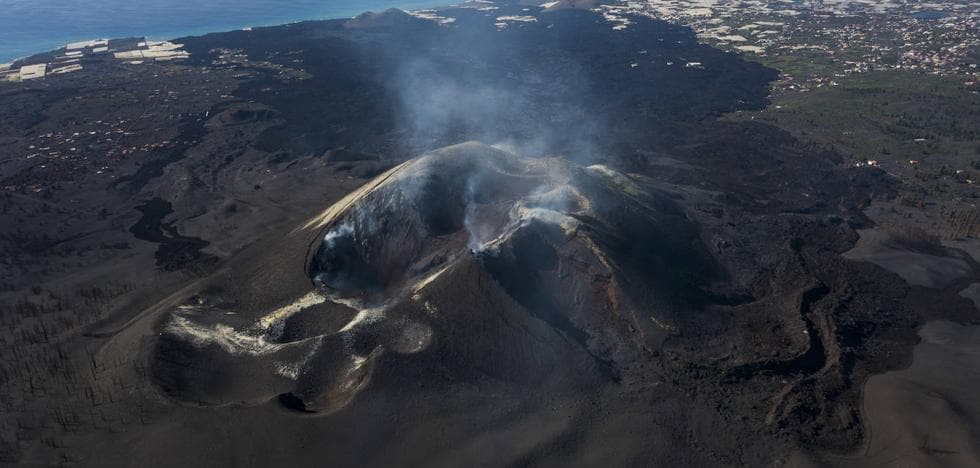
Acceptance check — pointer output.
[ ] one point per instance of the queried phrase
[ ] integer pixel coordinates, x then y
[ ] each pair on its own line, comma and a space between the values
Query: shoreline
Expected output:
19, 55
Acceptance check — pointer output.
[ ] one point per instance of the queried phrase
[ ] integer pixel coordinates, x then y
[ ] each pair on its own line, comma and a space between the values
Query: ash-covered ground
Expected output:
486, 235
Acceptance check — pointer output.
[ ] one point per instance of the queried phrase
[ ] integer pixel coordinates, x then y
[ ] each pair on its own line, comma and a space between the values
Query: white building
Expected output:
30, 72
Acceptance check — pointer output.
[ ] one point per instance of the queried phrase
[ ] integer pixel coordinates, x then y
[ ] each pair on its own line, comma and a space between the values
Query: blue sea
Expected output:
32, 26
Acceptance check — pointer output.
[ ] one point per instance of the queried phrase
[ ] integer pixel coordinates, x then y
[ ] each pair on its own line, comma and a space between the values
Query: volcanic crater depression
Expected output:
544, 238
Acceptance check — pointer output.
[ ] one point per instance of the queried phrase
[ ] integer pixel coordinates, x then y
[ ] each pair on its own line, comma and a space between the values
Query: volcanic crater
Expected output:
557, 241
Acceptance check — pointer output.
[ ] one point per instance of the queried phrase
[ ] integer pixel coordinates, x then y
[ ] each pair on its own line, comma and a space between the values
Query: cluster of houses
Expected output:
851, 36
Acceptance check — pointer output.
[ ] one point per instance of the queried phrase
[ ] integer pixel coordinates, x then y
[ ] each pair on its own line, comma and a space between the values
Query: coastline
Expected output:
20, 52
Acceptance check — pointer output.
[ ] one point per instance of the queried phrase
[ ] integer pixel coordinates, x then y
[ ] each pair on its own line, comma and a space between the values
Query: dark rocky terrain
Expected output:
390, 241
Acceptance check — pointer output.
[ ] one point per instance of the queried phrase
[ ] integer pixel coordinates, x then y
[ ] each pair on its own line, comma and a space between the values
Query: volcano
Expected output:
289, 248
443, 254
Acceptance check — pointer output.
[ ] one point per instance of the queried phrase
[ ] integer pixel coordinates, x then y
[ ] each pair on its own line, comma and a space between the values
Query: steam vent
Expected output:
505, 241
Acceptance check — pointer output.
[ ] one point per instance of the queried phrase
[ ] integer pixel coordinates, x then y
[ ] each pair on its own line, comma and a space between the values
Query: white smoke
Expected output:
345, 229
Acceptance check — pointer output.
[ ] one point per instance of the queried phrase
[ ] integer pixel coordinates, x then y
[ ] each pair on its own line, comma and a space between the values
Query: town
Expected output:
815, 43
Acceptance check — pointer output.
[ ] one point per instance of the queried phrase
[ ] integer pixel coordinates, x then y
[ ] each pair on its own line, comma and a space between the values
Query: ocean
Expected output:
32, 26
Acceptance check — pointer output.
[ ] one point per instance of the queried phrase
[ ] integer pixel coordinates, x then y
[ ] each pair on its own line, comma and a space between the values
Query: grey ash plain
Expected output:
673, 289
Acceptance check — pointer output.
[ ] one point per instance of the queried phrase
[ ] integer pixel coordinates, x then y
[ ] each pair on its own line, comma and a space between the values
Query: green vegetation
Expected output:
803, 63
924, 129
886, 116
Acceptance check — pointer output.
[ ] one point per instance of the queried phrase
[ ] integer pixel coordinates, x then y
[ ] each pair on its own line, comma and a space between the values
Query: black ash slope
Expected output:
723, 327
